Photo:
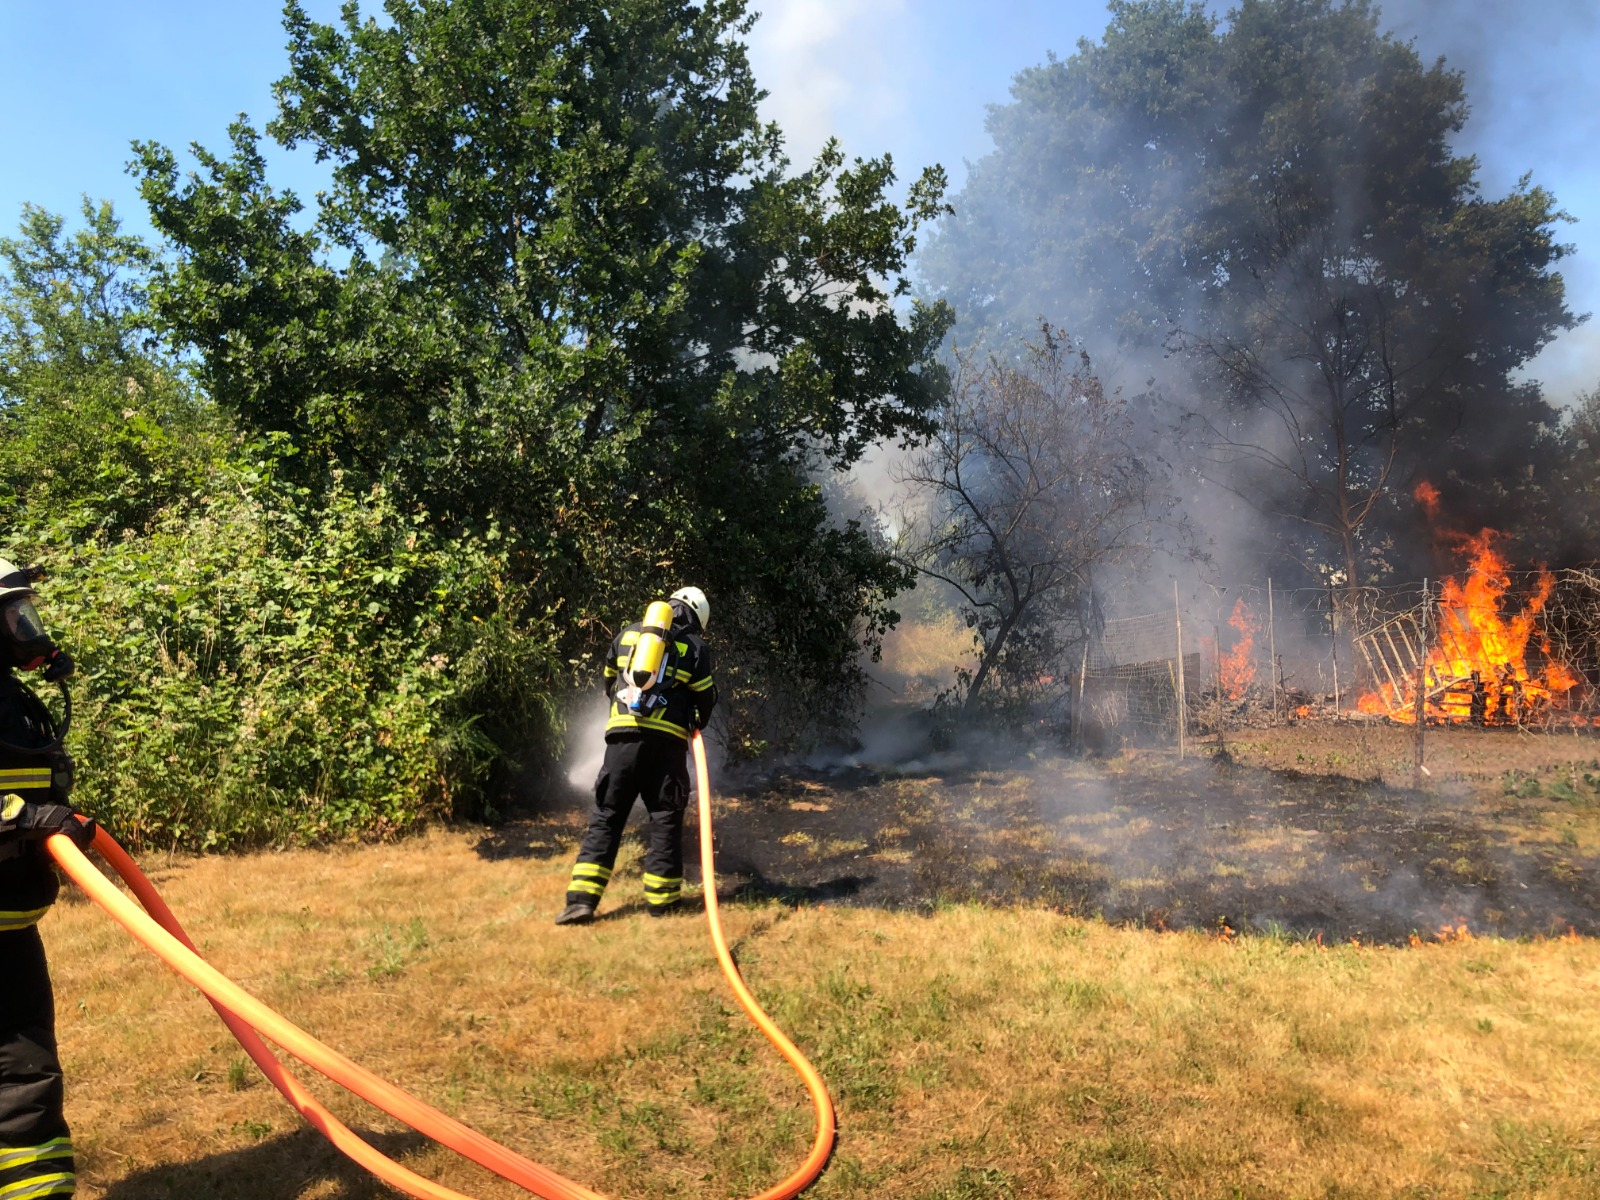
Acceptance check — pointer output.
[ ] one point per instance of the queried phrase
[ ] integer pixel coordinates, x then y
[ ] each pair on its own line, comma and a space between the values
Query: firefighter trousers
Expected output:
656, 770
35, 1147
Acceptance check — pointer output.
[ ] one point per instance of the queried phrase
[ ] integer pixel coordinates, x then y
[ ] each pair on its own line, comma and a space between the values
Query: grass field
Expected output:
975, 1051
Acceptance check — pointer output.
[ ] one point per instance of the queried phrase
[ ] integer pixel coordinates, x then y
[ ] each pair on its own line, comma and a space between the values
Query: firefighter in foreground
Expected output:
35, 781
658, 678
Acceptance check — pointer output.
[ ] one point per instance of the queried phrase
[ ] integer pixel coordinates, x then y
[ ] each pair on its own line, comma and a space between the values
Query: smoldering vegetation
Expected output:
1220, 845
1234, 297
1241, 365
1307, 832
1233, 301
1264, 234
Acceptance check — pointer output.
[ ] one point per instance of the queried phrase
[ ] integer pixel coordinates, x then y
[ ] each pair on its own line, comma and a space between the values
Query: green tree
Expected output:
71, 304
260, 660
97, 427
565, 280
1576, 482
1275, 199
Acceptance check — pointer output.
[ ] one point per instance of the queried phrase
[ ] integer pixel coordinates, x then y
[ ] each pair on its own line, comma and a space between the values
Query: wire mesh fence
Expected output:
1483, 648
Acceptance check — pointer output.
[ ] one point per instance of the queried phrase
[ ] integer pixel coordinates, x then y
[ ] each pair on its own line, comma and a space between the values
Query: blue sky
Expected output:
79, 81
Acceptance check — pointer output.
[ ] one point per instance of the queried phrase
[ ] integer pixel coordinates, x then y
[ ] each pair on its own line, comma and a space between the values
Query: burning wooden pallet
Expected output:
1472, 665
1396, 650
1456, 685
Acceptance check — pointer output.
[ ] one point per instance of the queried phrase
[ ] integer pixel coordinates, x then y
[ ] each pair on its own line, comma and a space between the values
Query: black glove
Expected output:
60, 666
35, 822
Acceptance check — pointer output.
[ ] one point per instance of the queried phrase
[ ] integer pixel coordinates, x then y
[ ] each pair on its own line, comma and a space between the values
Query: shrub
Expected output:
265, 667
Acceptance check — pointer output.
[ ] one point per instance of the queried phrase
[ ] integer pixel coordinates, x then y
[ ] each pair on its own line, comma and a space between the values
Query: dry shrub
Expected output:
925, 654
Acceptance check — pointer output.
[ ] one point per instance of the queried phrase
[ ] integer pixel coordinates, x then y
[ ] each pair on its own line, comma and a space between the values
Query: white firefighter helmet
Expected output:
14, 581
22, 634
697, 602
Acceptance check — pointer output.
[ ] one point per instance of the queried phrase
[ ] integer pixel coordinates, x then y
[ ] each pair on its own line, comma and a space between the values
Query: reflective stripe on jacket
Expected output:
28, 883
689, 698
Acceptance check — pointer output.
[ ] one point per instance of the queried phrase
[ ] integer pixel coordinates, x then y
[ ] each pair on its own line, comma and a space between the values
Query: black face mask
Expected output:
27, 644
683, 617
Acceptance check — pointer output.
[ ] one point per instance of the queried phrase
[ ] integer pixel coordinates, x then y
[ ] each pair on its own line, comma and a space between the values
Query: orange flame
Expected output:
1238, 664
1428, 496
1478, 664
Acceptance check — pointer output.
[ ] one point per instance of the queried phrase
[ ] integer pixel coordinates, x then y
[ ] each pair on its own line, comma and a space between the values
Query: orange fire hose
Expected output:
309, 1107
822, 1146
160, 931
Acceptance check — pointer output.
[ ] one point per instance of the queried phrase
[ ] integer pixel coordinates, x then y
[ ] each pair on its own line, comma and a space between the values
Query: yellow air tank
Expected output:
649, 652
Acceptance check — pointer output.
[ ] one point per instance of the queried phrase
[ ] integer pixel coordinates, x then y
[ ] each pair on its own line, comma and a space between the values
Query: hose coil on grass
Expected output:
159, 930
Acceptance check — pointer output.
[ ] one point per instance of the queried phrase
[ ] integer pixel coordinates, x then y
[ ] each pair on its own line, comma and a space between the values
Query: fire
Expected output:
1428, 496
1477, 668
1238, 664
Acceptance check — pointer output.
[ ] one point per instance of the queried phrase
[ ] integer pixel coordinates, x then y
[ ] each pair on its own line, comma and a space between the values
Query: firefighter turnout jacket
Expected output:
646, 760
35, 1145
689, 694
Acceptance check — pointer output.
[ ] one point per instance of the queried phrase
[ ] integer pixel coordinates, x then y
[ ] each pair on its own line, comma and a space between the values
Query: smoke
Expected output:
1529, 68
1527, 65
1207, 843
824, 65
1114, 195
844, 67
586, 750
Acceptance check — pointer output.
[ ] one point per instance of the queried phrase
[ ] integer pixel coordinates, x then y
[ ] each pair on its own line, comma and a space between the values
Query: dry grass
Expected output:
974, 1053
923, 655
1456, 758
1552, 780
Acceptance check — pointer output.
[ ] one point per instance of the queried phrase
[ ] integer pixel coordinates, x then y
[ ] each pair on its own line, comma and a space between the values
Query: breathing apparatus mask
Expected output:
26, 641
25, 644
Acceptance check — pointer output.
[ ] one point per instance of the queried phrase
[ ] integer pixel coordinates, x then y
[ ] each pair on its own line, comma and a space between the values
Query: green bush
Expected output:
263, 667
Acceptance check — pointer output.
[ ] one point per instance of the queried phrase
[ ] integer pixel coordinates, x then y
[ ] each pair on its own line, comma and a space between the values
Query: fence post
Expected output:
1272, 651
1333, 643
1077, 709
1183, 695
1216, 633
1421, 707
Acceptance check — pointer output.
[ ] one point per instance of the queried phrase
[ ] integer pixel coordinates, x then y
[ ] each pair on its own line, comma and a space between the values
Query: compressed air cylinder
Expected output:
644, 664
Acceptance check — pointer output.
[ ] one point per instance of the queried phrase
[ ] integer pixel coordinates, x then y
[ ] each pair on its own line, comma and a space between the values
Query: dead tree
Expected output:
1031, 483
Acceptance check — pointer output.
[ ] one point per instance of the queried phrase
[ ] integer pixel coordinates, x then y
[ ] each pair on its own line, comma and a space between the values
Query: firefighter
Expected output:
35, 781
658, 678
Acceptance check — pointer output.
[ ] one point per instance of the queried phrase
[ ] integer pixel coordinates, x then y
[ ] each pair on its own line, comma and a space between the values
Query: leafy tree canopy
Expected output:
1575, 485
565, 281
1275, 198
98, 428
259, 660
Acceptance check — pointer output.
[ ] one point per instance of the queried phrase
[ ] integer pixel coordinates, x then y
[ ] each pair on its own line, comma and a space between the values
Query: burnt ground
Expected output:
1147, 840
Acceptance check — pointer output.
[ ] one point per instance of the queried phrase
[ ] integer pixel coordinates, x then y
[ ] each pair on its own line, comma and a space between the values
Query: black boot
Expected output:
576, 914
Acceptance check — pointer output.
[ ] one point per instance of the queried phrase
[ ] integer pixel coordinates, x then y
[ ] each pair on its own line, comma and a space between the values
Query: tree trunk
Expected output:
1352, 574
969, 707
